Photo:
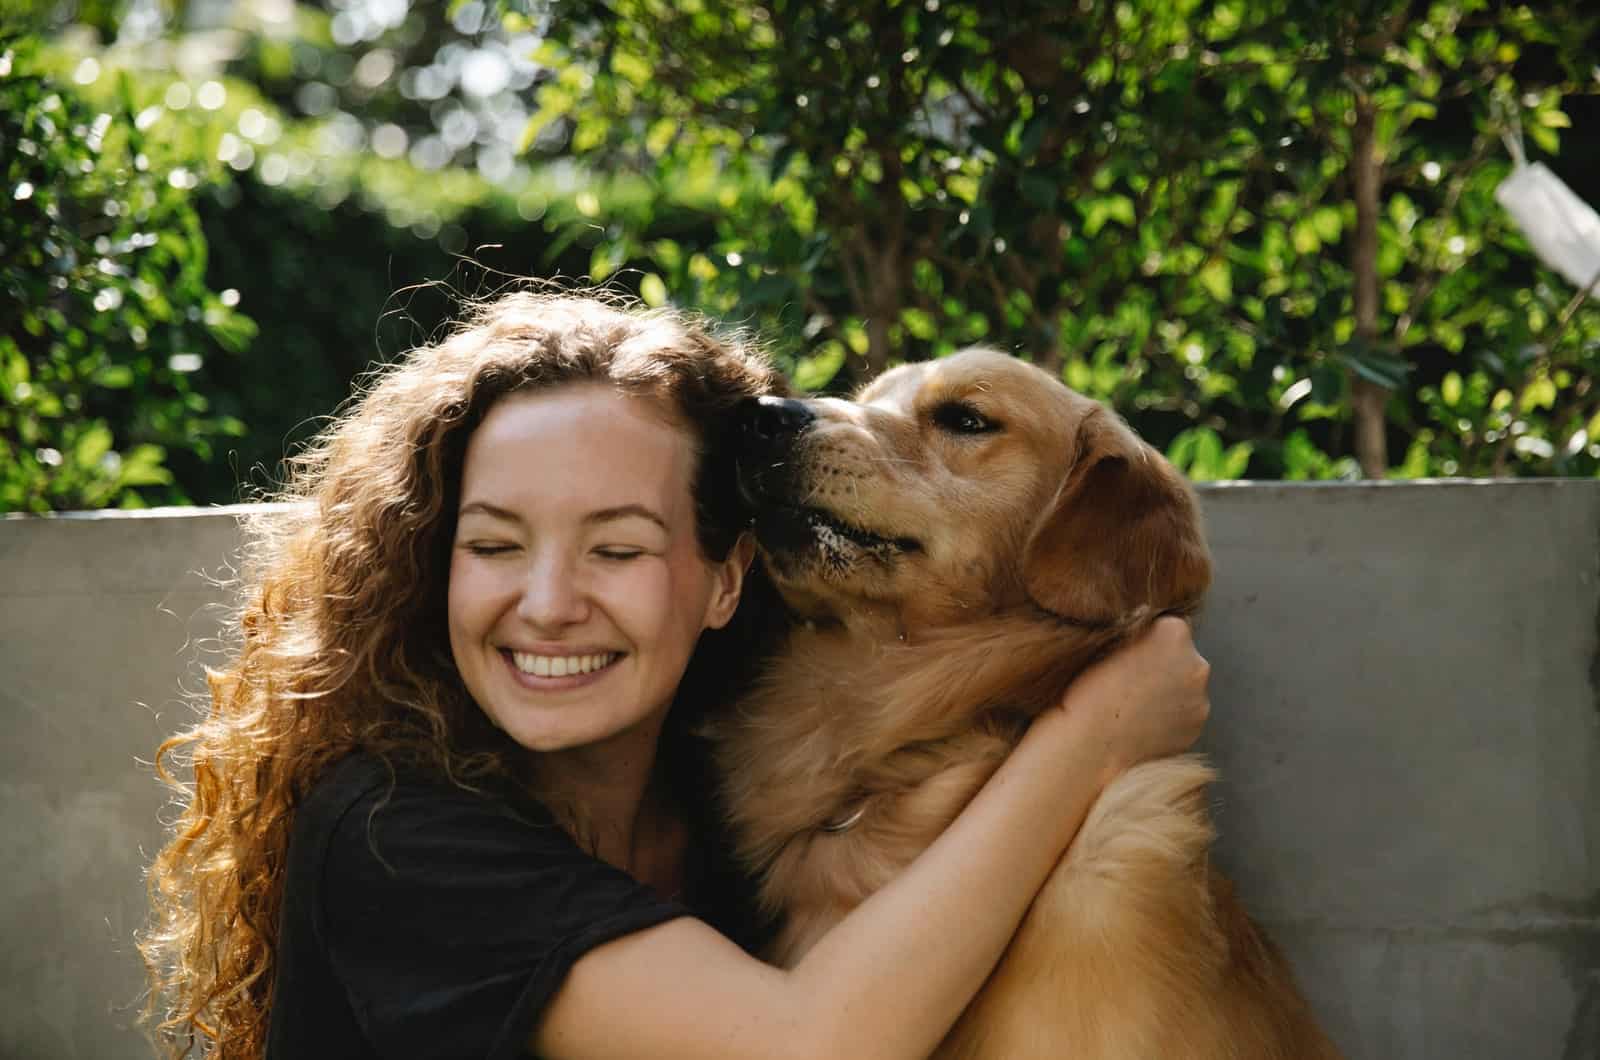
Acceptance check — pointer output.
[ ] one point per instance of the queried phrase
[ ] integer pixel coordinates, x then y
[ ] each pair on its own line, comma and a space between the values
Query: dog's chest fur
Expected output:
905, 732
1134, 948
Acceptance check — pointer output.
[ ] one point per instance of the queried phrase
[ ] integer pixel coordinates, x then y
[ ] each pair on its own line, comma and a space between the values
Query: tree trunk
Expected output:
884, 303
1367, 399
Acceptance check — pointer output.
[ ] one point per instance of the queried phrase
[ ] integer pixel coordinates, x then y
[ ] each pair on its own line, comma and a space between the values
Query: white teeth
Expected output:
561, 665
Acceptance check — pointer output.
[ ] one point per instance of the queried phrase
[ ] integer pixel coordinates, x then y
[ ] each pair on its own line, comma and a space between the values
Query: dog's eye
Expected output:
959, 418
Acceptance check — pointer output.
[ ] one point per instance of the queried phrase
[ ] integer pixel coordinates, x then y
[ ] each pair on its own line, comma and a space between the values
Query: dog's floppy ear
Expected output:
1123, 532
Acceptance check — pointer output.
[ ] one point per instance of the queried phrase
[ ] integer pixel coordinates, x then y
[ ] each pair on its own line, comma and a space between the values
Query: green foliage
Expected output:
1154, 199
104, 308
341, 255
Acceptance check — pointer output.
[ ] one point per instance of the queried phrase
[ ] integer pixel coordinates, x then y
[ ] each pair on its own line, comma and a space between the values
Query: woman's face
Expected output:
577, 585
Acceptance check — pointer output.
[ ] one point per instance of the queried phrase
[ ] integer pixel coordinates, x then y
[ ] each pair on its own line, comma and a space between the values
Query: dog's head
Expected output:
951, 489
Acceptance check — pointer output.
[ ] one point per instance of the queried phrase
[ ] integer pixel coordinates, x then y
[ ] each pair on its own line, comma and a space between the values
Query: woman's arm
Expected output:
874, 985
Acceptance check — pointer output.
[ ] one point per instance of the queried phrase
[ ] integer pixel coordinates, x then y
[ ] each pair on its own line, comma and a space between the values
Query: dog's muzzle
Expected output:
786, 520
769, 430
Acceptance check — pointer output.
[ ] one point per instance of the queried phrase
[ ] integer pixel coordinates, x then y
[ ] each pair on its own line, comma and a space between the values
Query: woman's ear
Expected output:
729, 581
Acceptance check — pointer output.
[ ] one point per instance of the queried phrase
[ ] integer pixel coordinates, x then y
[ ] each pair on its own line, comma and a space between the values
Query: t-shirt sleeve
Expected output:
451, 921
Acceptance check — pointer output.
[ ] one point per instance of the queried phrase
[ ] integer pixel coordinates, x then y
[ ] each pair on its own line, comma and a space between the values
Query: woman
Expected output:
443, 801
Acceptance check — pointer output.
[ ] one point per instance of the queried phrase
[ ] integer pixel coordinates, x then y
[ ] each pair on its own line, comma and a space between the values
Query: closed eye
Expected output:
619, 554
958, 417
488, 548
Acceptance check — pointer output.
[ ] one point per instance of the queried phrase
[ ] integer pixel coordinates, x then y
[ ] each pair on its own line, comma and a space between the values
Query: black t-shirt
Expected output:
422, 920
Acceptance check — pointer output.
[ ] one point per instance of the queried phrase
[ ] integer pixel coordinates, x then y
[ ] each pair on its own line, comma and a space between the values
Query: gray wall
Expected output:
1404, 711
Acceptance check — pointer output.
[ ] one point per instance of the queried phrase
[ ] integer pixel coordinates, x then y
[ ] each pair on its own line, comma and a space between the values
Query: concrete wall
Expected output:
1405, 712
99, 621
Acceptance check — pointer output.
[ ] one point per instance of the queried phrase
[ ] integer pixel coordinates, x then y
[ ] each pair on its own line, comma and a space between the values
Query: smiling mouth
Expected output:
562, 665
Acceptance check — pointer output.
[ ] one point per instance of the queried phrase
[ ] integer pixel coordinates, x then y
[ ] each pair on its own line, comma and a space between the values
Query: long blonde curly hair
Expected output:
340, 640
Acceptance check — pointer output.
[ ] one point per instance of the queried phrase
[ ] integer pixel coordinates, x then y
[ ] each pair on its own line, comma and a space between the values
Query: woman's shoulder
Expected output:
448, 916
350, 779
385, 804
359, 779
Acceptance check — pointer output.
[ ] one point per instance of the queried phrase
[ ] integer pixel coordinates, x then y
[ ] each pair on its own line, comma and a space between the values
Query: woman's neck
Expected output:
622, 809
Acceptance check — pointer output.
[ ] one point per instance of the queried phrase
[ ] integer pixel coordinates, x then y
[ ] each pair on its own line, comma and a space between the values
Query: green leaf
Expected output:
660, 136
1217, 278
1416, 463
142, 466
919, 323
13, 367
1539, 394
631, 66
1236, 460
1302, 459
817, 371
1376, 365
1327, 223
607, 258
1547, 138
1198, 453
1304, 237
91, 445
1098, 211
114, 377
1450, 389
652, 291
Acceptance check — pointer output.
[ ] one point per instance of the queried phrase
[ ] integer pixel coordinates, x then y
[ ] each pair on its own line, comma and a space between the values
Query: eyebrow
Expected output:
603, 515
625, 511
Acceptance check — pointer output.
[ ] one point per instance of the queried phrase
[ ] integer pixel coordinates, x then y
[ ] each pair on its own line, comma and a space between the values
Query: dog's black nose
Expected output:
774, 419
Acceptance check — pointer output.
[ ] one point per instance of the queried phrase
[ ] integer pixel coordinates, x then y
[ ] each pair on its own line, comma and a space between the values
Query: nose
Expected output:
553, 594
766, 420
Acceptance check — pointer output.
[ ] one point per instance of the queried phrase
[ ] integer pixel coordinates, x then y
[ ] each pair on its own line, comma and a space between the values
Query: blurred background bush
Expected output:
1264, 229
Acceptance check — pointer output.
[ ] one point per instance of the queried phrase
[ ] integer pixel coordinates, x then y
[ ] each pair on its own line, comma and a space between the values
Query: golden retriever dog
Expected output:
954, 547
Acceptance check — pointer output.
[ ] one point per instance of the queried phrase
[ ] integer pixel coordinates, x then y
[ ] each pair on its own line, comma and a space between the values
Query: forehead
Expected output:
580, 435
582, 406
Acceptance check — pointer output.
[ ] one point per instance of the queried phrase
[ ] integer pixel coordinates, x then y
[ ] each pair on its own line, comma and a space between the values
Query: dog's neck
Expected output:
872, 702
885, 626
900, 623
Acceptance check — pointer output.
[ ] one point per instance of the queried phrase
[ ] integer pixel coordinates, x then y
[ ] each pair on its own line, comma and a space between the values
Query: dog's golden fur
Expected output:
956, 545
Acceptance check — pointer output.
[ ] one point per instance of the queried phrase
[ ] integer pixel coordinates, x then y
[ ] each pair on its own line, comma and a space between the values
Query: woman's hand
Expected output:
1145, 700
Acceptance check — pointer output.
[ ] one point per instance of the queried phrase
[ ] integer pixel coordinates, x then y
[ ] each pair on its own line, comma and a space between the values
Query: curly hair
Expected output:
340, 639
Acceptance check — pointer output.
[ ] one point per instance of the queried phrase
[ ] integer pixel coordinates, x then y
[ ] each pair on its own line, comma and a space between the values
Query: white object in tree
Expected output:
1563, 229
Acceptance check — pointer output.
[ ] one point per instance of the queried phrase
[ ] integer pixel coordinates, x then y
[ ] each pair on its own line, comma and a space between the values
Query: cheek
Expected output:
657, 603
469, 597
456, 621
683, 598
456, 591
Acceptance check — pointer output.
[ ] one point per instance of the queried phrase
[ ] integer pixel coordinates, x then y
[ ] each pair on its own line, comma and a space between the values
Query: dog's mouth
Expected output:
789, 529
